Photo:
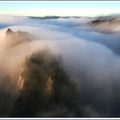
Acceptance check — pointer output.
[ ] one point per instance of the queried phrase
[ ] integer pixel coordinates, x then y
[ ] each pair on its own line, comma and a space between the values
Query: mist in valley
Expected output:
60, 67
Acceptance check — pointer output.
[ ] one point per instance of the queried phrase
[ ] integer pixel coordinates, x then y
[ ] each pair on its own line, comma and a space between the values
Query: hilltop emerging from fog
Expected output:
110, 23
107, 23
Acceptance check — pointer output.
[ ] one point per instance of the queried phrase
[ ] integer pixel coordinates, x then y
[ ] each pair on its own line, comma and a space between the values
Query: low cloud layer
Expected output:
12, 19
89, 58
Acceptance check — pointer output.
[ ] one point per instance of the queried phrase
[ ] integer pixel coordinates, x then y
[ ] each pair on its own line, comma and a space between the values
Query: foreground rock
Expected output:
44, 88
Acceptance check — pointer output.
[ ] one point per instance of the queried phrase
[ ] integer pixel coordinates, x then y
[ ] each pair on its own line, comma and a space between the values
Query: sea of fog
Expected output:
90, 58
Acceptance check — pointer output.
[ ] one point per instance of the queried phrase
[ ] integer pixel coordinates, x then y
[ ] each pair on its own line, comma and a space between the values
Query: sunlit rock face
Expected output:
43, 85
13, 49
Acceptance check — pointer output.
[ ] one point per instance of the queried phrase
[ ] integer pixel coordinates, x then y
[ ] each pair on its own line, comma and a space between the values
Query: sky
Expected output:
59, 8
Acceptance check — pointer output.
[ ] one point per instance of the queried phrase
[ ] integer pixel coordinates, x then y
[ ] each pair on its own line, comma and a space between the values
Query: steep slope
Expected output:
44, 86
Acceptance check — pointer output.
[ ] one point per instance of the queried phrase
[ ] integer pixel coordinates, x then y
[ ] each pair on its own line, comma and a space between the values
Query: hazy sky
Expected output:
43, 8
